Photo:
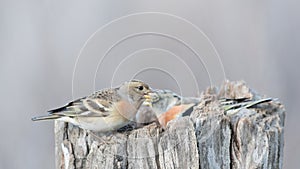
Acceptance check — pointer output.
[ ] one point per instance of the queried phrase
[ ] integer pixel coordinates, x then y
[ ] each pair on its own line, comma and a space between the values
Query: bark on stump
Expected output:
208, 138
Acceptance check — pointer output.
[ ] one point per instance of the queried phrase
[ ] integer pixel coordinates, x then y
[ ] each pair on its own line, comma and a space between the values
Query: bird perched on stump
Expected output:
165, 106
104, 110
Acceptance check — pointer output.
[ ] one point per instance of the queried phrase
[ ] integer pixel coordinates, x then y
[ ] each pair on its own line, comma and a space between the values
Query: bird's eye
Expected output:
140, 88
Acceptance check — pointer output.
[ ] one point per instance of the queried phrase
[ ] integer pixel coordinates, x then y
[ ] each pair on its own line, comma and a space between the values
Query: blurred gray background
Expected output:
258, 41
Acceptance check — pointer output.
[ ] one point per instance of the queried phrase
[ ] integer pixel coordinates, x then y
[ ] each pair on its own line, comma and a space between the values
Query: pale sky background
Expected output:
258, 41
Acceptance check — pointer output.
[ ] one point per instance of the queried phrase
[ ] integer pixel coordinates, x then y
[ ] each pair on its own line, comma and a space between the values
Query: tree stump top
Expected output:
208, 138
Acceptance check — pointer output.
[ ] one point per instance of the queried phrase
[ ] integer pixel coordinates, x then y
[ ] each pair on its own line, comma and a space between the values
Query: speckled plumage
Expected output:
110, 95
104, 110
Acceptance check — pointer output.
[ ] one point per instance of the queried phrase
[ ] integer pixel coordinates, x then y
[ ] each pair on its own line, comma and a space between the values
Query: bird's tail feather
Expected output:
46, 117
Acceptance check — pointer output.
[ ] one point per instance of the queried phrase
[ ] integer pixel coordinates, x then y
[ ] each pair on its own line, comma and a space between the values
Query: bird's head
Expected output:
136, 91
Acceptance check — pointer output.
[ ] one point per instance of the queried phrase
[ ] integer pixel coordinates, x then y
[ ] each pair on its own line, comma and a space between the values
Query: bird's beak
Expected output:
147, 96
148, 99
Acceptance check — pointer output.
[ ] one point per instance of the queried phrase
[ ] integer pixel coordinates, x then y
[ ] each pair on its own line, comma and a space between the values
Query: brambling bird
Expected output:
166, 106
104, 110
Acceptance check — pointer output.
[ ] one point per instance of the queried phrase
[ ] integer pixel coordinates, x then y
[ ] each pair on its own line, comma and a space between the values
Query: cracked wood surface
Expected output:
208, 138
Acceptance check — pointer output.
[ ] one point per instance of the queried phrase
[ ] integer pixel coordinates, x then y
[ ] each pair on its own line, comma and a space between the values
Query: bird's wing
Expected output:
246, 104
85, 107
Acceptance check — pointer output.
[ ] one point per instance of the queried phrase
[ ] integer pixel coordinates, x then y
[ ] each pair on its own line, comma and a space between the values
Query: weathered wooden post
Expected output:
208, 138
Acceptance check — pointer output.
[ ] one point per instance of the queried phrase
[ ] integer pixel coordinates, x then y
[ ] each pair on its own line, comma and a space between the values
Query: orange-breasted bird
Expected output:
104, 110
165, 106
